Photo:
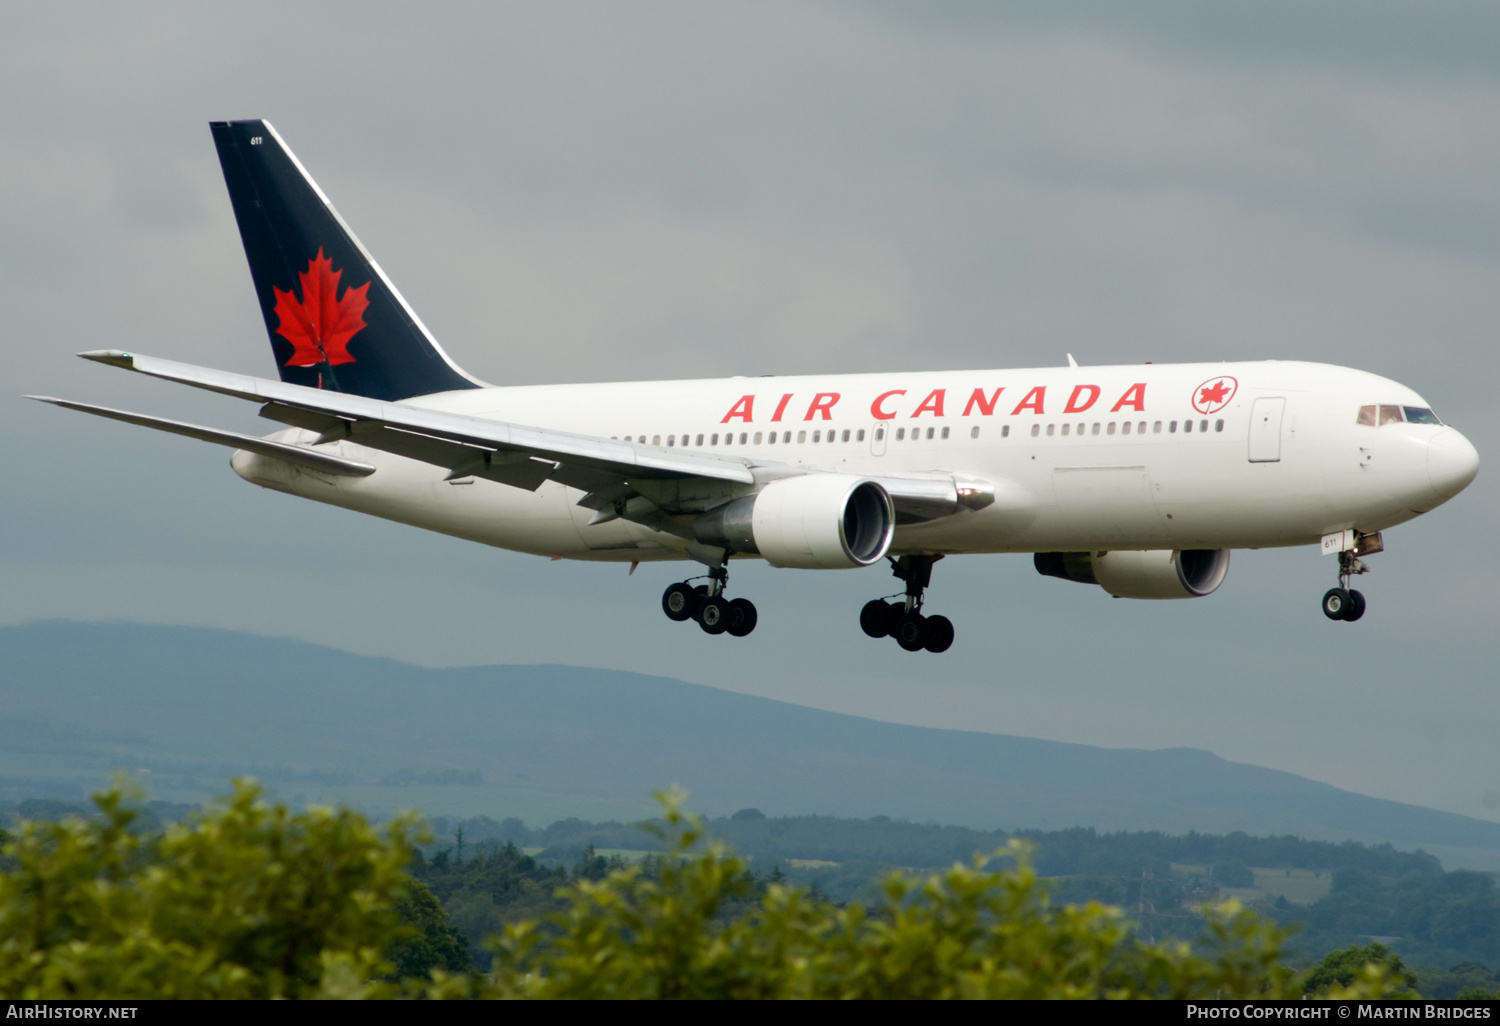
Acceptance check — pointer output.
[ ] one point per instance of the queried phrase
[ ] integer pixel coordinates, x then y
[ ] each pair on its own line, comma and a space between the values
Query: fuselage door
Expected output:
1265, 429
877, 438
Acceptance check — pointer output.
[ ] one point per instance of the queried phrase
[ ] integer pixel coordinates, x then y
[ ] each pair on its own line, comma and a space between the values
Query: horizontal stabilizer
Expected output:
298, 454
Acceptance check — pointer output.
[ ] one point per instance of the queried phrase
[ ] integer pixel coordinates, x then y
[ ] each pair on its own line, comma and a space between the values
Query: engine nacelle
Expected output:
813, 522
1153, 574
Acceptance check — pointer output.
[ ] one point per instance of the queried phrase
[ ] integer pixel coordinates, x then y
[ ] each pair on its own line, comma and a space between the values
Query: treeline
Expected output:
1442, 920
884, 841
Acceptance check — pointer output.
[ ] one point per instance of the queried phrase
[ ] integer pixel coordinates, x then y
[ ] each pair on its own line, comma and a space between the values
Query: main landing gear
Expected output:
903, 620
1343, 602
706, 604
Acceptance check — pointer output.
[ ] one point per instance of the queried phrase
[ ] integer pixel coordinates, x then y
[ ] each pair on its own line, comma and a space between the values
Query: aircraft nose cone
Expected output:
1452, 462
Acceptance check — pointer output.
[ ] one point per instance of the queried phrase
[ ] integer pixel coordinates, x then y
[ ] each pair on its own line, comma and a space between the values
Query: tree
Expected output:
249, 901
1342, 969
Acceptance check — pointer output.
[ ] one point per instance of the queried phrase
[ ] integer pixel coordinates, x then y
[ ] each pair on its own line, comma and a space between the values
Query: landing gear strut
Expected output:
706, 604
903, 620
1343, 602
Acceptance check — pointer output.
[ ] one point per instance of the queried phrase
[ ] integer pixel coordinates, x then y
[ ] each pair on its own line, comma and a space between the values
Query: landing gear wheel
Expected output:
713, 616
742, 617
1356, 606
878, 618
680, 602
911, 631
1337, 603
939, 634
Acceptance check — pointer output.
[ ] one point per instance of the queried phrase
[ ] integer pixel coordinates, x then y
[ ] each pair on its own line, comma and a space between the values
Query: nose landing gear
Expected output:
706, 604
1343, 602
903, 620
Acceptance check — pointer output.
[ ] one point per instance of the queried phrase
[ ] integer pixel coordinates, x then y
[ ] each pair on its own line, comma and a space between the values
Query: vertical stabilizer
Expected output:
335, 321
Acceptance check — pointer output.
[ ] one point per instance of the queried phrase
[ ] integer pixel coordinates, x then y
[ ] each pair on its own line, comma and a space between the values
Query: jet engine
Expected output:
812, 522
1153, 574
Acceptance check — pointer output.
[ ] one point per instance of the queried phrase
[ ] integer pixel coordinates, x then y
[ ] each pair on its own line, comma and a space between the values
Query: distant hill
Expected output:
187, 708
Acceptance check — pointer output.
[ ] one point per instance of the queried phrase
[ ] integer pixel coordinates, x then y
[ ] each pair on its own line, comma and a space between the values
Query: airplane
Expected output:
1136, 479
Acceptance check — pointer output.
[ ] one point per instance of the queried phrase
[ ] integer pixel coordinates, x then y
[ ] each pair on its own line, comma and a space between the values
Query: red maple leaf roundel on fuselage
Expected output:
320, 325
1214, 394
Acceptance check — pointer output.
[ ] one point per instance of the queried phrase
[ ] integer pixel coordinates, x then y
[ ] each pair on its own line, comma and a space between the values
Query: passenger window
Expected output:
1218, 425
859, 436
656, 439
1065, 429
945, 433
1096, 427
1141, 428
1050, 429
1126, 429
786, 438
1203, 425
817, 436
757, 438
670, 440
1036, 429
1420, 415
743, 436
974, 431
1187, 427
771, 438
1172, 429
900, 434
715, 440
1366, 416
1004, 431
879, 433
1390, 415
1111, 429
929, 434
802, 437
699, 441
1156, 428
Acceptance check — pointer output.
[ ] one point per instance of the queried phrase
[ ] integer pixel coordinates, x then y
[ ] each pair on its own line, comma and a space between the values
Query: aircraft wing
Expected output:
464, 445
512, 454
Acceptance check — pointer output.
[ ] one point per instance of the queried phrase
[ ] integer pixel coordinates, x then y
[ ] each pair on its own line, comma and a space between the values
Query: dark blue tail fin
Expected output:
334, 319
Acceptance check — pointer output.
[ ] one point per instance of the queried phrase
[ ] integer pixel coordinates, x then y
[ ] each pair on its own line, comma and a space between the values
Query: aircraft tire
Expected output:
1356, 606
878, 618
911, 631
1336, 604
742, 617
680, 602
713, 616
938, 634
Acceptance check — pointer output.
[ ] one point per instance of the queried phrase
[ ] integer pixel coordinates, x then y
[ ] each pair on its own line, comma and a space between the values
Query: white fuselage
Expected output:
1090, 458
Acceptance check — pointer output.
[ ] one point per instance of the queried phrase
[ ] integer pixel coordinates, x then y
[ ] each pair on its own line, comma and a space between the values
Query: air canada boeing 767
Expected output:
1137, 479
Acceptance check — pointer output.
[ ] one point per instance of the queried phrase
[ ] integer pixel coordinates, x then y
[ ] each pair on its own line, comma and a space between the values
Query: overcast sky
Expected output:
597, 191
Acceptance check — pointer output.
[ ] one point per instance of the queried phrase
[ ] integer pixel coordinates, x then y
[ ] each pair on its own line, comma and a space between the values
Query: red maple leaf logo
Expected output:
320, 325
1211, 396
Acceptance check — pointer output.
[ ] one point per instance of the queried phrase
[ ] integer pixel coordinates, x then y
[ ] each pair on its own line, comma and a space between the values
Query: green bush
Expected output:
250, 901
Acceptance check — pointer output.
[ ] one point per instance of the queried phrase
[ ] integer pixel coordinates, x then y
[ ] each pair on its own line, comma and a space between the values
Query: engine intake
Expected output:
1151, 574
814, 522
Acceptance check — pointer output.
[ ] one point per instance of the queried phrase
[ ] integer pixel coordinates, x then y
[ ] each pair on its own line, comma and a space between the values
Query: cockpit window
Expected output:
1379, 416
